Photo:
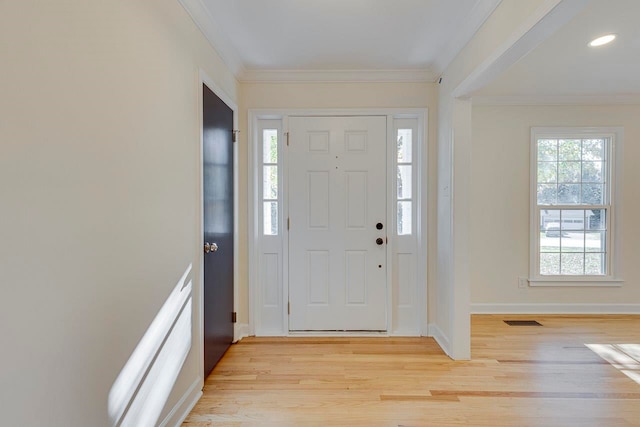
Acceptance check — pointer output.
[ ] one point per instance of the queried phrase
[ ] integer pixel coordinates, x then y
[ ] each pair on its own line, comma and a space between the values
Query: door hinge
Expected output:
288, 308
234, 134
288, 223
234, 317
287, 135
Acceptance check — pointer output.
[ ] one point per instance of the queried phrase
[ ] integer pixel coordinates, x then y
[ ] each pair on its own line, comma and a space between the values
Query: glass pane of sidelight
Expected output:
270, 182
404, 182
270, 146
404, 145
404, 218
270, 221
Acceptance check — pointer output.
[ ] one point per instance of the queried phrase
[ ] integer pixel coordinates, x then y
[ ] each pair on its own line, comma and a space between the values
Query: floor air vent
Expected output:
522, 323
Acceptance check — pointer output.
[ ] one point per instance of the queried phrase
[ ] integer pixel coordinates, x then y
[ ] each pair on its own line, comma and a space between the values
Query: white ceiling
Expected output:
256, 36
563, 66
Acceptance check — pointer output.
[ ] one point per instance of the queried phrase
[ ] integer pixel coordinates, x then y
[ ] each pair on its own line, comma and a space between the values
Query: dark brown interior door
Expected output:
218, 227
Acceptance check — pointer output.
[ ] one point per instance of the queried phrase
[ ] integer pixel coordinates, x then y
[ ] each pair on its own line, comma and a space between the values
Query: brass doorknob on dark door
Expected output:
379, 241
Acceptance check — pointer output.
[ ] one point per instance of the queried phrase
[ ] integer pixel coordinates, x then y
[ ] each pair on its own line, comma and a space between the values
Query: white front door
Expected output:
338, 226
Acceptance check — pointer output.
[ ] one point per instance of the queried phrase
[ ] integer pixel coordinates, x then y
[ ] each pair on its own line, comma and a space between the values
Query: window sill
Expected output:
577, 281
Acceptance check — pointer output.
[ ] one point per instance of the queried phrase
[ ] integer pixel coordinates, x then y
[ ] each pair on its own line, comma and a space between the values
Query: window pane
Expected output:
550, 241
592, 194
596, 241
547, 172
595, 264
270, 182
547, 194
404, 218
404, 182
597, 219
270, 146
270, 220
547, 150
572, 220
550, 222
404, 145
569, 149
572, 264
549, 264
593, 149
569, 172
572, 241
592, 171
568, 194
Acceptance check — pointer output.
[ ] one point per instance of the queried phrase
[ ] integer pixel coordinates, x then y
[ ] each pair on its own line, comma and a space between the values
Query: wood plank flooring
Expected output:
519, 376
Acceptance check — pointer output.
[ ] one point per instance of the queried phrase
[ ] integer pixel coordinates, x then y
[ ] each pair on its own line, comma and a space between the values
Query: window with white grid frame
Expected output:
572, 217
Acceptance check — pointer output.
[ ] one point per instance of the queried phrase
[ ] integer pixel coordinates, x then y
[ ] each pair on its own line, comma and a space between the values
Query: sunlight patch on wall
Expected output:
624, 357
140, 392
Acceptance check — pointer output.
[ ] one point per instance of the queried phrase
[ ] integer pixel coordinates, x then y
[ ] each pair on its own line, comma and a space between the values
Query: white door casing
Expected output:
337, 185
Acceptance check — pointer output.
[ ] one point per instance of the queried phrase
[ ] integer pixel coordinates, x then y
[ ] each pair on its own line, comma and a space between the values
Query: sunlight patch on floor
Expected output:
624, 357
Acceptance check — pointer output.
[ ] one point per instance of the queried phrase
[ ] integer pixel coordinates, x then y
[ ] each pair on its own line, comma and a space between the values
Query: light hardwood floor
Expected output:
518, 376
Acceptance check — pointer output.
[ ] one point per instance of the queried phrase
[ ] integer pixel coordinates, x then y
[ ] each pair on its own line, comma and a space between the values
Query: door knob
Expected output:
379, 241
210, 247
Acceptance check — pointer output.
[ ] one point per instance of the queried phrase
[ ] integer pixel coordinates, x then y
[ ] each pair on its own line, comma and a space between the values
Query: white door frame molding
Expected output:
280, 327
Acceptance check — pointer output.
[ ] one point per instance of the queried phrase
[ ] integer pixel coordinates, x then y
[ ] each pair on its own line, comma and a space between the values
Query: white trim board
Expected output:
443, 341
184, 406
240, 330
554, 308
336, 76
526, 100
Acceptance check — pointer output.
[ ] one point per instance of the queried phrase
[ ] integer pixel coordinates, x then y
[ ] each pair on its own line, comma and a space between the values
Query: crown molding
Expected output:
321, 76
476, 18
218, 40
523, 100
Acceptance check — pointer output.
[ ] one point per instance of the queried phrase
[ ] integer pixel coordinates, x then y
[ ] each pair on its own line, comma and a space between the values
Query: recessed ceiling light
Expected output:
601, 41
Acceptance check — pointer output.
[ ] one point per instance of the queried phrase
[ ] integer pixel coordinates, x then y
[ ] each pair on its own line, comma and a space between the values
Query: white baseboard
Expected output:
180, 411
440, 337
555, 308
240, 330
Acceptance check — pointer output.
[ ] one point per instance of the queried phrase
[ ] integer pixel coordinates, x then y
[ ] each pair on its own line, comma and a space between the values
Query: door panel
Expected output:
217, 167
337, 195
